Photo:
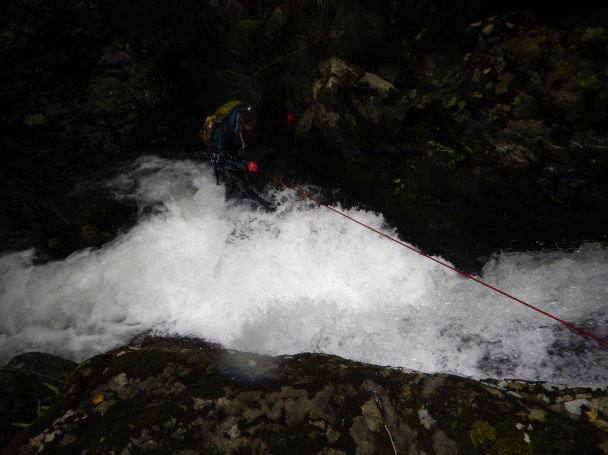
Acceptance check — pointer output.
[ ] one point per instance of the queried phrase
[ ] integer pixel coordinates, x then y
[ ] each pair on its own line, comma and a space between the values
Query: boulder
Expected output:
185, 396
29, 384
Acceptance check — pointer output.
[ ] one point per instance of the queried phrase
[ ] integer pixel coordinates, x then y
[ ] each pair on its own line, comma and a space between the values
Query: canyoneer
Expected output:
225, 133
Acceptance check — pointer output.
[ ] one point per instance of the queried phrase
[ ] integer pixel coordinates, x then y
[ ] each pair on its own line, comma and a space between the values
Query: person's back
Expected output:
224, 132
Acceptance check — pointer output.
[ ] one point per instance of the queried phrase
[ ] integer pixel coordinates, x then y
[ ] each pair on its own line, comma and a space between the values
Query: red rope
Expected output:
567, 324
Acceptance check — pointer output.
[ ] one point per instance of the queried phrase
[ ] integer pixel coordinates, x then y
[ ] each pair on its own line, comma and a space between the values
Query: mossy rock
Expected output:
167, 396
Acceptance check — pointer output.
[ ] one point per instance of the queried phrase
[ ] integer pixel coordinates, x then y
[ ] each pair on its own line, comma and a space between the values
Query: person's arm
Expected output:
225, 159
241, 164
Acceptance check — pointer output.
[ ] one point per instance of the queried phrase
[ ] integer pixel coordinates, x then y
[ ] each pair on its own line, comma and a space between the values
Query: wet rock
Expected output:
165, 396
29, 384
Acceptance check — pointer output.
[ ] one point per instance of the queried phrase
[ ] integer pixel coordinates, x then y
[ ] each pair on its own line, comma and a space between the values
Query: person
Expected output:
226, 133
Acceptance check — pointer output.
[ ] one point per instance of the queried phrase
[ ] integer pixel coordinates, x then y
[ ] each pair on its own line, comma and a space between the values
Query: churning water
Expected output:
302, 279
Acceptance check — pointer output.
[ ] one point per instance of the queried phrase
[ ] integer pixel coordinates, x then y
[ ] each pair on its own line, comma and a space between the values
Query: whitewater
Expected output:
302, 279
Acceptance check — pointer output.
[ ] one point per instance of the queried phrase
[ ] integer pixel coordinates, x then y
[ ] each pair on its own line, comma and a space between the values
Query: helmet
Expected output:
249, 114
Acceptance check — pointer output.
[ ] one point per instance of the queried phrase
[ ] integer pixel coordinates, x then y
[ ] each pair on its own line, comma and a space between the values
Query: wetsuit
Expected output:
227, 143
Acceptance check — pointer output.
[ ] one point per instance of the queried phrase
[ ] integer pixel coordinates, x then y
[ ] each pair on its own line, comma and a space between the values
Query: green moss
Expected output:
247, 27
528, 48
452, 80
453, 156
559, 72
34, 410
511, 442
504, 439
449, 89
400, 186
592, 33
587, 79
482, 433
449, 102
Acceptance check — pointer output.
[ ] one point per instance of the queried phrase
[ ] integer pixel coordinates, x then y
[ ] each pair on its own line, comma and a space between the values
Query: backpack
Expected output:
220, 114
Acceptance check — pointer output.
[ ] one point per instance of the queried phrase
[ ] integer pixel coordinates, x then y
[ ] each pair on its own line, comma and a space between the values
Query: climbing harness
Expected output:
567, 324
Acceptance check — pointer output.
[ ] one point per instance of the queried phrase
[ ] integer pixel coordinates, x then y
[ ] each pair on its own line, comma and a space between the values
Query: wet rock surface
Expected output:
188, 396
30, 383
81, 94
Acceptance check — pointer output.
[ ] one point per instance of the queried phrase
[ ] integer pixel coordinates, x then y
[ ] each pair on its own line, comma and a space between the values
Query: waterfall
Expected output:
302, 279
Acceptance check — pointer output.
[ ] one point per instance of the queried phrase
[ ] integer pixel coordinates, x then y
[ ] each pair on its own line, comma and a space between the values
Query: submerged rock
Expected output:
188, 396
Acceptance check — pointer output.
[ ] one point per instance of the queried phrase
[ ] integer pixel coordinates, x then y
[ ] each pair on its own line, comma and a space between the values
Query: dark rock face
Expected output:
83, 88
473, 127
495, 139
187, 397
29, 383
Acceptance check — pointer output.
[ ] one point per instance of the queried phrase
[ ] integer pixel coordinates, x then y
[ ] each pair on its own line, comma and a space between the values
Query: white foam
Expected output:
301, 279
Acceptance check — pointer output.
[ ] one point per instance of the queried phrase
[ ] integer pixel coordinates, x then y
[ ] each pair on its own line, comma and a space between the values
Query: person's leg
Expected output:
231, 186
238, 186
258, 199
